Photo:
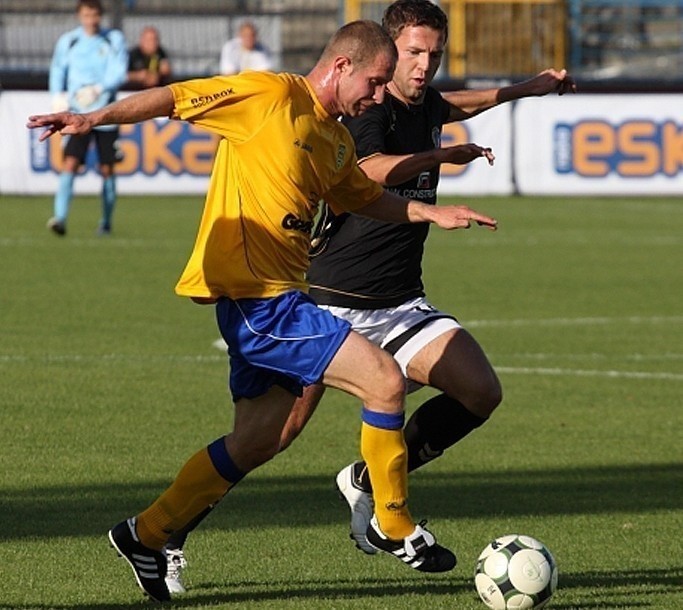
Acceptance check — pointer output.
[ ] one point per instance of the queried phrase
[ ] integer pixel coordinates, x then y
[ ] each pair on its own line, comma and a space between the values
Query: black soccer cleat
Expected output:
149, 565
419, 550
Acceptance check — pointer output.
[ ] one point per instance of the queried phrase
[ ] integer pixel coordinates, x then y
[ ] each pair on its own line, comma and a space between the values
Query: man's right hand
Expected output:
461, 154
66, 123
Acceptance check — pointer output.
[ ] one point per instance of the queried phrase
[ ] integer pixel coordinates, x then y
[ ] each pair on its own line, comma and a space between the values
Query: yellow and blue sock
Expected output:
384, 452
204, 479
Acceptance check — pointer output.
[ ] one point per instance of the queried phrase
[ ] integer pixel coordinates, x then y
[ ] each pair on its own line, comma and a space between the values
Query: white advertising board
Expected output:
159, 156
173, 157
599, 144
573, 145
493, 129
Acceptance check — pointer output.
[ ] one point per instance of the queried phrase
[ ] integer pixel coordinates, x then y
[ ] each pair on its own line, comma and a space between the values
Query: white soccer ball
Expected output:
515, 573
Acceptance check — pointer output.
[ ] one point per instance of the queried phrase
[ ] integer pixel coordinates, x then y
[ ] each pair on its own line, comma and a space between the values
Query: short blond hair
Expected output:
361, 41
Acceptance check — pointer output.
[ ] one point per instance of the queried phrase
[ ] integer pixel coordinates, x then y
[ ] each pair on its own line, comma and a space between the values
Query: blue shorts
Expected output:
285, 340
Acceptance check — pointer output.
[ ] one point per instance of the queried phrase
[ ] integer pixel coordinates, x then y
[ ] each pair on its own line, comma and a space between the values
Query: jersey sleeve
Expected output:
355, 191
443, 108
230, 106
58, 65
369, 131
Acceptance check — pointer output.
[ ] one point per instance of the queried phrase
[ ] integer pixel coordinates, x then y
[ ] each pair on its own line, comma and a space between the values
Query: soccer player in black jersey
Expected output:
369, 272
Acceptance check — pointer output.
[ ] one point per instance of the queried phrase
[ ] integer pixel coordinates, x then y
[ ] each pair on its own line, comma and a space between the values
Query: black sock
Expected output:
435, 426
177, 539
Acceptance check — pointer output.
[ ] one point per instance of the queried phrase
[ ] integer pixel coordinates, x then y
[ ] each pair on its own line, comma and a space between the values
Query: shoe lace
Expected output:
419, 543
176, 561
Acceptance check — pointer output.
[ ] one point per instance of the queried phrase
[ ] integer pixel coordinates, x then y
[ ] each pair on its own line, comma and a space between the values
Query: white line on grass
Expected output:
577, 321
550, 356
524, 370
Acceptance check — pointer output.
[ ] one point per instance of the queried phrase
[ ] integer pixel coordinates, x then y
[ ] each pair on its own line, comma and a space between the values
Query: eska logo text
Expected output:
631, 149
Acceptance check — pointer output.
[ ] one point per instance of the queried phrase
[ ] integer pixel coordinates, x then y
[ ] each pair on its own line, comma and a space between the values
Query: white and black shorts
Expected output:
402, 331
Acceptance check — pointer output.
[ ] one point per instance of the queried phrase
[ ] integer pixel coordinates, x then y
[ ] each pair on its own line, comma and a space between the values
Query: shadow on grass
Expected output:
606, 590
311, 500
616, 589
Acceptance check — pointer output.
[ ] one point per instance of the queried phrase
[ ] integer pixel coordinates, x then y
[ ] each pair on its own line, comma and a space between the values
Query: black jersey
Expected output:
368, 264
137, 60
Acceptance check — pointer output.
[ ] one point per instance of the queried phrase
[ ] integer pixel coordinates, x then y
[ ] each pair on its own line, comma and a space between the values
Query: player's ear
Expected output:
342, 64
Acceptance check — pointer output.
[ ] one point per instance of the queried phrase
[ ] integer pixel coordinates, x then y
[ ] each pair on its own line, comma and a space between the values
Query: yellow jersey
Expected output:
279, 154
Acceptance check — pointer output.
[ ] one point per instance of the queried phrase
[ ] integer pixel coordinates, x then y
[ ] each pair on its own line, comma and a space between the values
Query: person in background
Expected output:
89, 65
148, 63
245, 52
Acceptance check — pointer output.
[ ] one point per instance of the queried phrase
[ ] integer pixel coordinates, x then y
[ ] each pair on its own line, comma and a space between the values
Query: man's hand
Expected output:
550, 81
460, 217
66, 123
461, 154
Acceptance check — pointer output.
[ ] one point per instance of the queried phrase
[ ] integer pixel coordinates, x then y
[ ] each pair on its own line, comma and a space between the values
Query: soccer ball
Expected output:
515, 573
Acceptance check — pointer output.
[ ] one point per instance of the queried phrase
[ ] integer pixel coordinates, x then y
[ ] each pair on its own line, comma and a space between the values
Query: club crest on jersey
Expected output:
436, 137
341, 154
424, 180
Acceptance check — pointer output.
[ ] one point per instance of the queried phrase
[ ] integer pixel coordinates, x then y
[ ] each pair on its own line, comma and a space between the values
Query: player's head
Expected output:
248, 35
149, 40
420, 30
356, 65
415, 13
89, 15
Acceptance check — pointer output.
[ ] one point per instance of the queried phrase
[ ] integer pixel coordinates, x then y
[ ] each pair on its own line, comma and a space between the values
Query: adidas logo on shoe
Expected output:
419, 550
148, 565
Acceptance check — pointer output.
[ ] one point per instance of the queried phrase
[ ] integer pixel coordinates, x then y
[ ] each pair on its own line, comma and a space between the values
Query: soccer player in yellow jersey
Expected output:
281, 151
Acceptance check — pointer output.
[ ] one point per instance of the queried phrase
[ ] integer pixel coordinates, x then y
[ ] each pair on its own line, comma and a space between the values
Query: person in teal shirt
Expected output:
89, 65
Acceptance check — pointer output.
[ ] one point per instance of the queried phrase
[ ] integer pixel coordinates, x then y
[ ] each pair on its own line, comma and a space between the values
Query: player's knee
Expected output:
249, 456
491, 396
482, 396
262, 452
388, 391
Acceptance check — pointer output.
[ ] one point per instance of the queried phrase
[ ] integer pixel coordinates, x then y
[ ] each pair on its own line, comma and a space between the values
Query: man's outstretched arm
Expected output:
470, 102
139, 107
392, 208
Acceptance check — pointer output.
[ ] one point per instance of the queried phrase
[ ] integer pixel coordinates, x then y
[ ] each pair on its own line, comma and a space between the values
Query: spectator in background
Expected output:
245, 52
148, 63
88, 66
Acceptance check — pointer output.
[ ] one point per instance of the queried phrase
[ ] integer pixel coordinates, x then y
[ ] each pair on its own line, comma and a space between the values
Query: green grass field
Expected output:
108, 382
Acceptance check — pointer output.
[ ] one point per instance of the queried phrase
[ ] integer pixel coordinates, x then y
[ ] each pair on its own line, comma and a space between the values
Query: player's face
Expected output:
248, 37
360, 87
420, 50
149, 41
90, 19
